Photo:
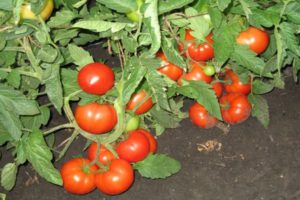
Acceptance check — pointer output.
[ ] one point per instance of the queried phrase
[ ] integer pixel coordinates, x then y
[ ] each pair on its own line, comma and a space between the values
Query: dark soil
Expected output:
253, 163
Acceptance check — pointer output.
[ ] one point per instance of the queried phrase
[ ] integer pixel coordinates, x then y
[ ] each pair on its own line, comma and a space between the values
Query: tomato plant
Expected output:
198, 52
140, 102
234, 85
96, 78
78, 177
200, 117
172, 71
96, 118
235, 108
116, 179
135, 148
256, 39
105, 156
45, 12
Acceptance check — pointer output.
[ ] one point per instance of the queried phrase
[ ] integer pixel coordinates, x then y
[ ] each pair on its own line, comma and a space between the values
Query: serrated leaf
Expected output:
223, 4
40, 156
63, 17
36, 121
171, 53
10, 122
260, 18
169, 5
15, 101
152, 24
288, 32
164, 118
157, 166
124, 6
178, 20
69, 81
54, 87
100, 25
248, 59
203, 94
9, 175
47, 54
293, 12
199, 25
261, 87
260, 109
158, 88
80, 56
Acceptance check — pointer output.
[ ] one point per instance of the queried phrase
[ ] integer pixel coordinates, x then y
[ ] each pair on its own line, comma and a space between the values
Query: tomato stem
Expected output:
59, 127
66, 147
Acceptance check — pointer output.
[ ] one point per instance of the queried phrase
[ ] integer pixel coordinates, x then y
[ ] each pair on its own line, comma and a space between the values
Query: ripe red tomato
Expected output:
256, 39
196, 74
117, 179
218, 88
137, 99
198, 52
135, 148
151, 139
200, 117
172, 71
235, 85
235, 108
96, 78
77, 176
96, 118
105, 156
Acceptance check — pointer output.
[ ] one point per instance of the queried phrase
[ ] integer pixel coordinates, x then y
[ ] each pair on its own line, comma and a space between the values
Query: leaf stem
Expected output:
66, 147
57, 128
32, 59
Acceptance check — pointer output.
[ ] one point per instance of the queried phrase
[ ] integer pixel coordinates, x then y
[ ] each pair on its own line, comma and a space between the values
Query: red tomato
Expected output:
235, 85
135, 148
196, 74
235, 108
137, 99
77, 176
218, 88
105, 156
151, 139
198, 52
172, 71
96, 118
200, 117
117, 179
256, 39
96, 78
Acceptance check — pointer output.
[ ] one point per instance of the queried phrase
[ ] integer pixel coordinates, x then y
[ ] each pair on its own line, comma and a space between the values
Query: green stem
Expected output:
32, 59
71, 139
20, 49
59, 127
25, 73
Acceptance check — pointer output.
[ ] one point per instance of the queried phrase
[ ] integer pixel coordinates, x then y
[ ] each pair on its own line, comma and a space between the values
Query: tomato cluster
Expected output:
108, 169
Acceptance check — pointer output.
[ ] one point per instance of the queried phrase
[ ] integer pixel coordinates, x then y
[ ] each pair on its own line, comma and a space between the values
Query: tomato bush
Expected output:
96, 78
96, 118
78, 177
116, 179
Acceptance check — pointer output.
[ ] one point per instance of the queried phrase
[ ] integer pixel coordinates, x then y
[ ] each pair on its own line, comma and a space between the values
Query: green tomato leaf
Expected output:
152, 24
69, 81
261, 87
4, 135
101, 26
7, 5
21, 152
171, 53
61, 18
124, 6
203, 94
9, 175
293, 12
260, 109
47, 54
54, 87
40, 156
14, 78
169, 5
288, 32
10, 122
36, 121
80, 56
260, 18
223, 4
157, 166
164, 118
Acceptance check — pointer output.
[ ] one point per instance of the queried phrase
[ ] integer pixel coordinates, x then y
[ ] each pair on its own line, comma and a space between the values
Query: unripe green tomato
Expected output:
133, 123
135, 16
209, 70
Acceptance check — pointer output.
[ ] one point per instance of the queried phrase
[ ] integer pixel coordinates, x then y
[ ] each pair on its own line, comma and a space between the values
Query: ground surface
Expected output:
253, 164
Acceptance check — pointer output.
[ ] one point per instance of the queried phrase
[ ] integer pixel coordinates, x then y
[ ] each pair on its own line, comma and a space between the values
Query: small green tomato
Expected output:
135, 15
133, 123
209, 70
